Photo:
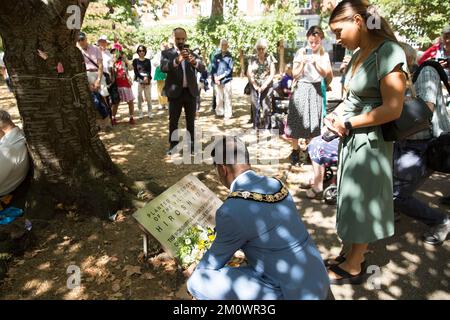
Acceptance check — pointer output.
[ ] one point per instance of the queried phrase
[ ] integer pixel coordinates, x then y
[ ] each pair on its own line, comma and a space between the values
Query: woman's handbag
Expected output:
415, 117
247, 89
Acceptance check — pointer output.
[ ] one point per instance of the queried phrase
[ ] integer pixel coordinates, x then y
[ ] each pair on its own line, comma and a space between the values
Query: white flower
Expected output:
187, 260
204, 236
188, 241
195, 252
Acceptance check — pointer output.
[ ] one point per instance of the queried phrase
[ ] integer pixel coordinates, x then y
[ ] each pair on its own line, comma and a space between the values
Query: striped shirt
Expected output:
429, 88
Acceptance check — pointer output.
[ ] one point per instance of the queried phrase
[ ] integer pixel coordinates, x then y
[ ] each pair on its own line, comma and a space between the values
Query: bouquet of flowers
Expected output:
192, 245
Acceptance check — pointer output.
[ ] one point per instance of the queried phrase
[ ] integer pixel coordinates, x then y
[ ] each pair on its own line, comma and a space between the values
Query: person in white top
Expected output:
311, 65
14, 159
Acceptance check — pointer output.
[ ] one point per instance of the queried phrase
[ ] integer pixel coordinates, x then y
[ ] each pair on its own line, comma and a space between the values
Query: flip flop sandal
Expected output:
348, 278
312, 194
331, 262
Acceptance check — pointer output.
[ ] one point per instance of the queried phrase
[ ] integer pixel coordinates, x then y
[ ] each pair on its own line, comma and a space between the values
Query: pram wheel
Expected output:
328, 174
330, 194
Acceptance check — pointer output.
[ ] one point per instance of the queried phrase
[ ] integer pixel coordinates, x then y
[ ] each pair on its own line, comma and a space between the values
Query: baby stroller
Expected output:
330, 192
280, 106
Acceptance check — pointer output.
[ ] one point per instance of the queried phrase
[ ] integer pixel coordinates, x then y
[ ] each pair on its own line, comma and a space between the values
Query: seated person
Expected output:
410, 169
260, 218
14, 162
286, 81
321, 153
283, 86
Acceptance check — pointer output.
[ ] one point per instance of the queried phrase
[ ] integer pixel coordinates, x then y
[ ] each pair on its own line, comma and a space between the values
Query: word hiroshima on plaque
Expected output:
185, 204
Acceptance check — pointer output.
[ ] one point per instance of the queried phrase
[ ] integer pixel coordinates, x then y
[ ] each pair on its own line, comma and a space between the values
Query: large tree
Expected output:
418, 20
71, 164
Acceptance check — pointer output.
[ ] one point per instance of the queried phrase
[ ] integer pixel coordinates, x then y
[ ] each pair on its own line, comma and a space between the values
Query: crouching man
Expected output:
260, 218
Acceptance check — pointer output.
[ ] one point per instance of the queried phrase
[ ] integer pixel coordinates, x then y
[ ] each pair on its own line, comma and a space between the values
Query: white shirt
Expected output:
14, 160
183, 65
107, 61
310, 73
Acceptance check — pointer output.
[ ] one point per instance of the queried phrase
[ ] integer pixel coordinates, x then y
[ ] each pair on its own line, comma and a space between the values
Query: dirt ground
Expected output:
109, 254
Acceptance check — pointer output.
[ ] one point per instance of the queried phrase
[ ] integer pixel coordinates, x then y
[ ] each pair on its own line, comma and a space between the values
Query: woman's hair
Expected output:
411, 54
347, 9
141, 47
315, 31
261, 43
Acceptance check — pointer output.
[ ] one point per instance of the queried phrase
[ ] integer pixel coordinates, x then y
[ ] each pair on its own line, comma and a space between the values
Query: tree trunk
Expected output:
281, 55
71, 164
217, 8
242, 61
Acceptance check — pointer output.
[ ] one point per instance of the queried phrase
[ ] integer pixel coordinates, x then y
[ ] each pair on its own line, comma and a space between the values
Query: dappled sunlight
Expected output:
109, 254
37, 287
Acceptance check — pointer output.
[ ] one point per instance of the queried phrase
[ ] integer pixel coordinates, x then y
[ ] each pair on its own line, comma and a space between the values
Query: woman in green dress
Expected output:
375, 83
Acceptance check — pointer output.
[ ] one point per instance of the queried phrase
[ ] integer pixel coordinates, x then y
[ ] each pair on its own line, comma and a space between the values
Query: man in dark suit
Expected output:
181, 66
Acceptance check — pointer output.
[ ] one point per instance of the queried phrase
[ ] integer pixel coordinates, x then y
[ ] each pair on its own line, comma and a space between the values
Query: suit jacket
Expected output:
273, 237
174, 81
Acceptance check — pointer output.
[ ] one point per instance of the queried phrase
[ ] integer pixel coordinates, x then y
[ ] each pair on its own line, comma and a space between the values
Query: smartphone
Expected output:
329, 136
186, 47
308, 51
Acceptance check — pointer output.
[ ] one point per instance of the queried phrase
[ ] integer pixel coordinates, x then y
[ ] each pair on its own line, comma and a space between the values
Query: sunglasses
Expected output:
260, 48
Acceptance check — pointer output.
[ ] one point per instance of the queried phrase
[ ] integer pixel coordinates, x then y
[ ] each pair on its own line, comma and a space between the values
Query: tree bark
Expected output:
71, 164
281, 55
242, 61
217, 8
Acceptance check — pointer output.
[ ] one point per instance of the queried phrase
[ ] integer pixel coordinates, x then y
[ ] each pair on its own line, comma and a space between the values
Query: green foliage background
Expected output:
278, 23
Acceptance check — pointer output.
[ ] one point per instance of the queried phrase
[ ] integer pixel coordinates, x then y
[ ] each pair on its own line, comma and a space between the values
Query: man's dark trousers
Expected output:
187, 101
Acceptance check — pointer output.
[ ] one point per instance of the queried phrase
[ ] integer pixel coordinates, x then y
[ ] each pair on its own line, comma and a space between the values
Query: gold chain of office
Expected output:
261, 197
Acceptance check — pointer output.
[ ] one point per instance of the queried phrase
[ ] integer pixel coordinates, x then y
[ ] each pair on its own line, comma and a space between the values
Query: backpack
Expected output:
436, 65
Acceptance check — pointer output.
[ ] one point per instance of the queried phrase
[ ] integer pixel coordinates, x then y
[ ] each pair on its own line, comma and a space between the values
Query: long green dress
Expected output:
365, 208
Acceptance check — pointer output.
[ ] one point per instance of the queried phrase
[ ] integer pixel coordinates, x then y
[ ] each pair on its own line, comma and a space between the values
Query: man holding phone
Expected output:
181, 65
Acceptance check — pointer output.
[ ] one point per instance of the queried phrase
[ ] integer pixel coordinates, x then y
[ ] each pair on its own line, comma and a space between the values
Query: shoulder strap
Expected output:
442, 75
95, 64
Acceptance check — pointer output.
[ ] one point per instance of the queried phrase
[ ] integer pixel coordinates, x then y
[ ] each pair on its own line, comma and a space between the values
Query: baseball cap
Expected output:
104, 38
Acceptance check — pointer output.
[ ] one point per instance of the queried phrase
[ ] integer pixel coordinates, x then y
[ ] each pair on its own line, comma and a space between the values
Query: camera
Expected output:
186, 47
308, 51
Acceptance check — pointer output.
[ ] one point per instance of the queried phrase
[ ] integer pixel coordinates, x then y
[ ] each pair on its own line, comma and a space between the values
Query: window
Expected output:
305, 4
242, 5
301, 23
173, 10
307, 24
187, 10
259, 8
203, 9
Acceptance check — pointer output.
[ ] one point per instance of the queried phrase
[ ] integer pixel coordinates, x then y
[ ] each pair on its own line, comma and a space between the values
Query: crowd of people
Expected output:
376, 178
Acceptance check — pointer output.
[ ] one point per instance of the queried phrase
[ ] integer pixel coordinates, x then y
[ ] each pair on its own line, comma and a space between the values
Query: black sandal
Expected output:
348, 278
329, 262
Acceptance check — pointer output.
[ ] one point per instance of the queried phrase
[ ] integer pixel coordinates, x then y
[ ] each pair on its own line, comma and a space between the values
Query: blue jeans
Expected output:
410, 172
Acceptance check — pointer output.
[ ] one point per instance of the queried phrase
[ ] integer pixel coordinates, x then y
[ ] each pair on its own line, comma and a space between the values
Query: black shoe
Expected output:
295, 157
445, 200
437, 234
